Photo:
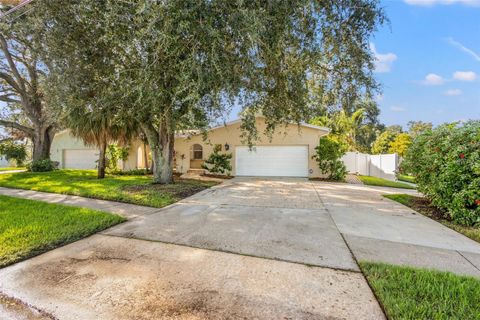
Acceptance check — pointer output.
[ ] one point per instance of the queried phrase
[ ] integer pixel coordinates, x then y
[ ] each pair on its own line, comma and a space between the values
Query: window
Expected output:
197, 152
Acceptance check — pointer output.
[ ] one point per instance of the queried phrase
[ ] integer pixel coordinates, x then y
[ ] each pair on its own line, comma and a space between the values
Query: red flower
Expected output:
477, 202
462, 155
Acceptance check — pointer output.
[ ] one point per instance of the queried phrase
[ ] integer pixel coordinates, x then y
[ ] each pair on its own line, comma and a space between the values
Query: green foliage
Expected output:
400, 144
446, 164
415, 128
44, 165
13, 151
344, 126
114, 154
32, 227
130, 189
375, 181
133, 172
181, 64
406, 178
383, 141
412, 293
328, 155
218, 162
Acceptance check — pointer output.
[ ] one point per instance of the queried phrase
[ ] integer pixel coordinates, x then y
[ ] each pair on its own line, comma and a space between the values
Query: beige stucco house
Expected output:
288, 153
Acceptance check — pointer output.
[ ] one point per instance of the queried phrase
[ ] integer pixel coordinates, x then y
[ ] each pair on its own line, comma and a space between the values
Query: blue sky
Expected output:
428, 61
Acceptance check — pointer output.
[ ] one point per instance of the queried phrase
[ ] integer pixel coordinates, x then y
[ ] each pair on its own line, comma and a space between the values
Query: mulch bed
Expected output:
181, 188
424, 206
218, 176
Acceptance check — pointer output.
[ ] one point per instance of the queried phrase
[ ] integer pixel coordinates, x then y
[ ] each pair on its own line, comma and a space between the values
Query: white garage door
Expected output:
272, 161
80, 158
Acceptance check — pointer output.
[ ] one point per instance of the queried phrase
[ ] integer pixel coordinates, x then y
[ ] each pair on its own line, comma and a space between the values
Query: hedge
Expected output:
446, 164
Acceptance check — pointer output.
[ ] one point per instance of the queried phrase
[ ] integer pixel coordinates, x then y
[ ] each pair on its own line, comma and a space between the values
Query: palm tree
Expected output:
344, 126
99, 127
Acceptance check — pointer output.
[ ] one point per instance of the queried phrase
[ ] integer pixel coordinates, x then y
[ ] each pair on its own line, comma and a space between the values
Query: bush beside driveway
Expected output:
130, 189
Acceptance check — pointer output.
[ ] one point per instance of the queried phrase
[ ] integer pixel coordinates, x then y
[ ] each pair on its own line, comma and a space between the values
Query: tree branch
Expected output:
6, 98
11, 124
11, 63
9, 79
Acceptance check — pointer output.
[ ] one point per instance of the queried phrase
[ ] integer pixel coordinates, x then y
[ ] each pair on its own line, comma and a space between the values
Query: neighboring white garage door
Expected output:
272, 161
80, 158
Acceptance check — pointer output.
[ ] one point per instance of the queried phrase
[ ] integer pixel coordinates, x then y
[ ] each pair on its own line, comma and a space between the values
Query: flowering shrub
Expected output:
446, 164
328, 156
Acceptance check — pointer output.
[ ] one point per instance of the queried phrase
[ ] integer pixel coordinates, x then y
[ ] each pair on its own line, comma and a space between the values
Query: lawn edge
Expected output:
440, 221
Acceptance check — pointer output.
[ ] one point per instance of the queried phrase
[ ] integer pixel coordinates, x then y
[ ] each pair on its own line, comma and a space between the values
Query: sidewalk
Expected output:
126, 210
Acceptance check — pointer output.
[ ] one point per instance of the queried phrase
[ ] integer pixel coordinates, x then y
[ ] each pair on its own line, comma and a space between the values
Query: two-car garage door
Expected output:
272, 161
80, 158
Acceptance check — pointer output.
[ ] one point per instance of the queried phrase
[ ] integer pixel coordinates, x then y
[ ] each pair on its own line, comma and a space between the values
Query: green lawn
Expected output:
410, 293
374, 181
130, 189
29, 227
424, 207
406, 178
11, 168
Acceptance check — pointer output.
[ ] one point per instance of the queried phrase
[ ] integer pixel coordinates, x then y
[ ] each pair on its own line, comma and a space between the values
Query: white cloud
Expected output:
465, 75
433, 79
383, 61
397, 109
452, 92
429, 3
460, 46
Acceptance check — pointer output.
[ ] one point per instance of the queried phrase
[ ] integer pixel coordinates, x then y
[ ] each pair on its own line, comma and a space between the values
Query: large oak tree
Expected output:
22, 84
181, 64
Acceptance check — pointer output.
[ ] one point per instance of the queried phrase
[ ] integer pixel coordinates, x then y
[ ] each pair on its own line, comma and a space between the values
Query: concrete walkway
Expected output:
379, 229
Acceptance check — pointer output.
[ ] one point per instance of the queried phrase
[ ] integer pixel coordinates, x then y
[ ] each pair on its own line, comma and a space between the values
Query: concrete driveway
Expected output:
249, 248
276, 219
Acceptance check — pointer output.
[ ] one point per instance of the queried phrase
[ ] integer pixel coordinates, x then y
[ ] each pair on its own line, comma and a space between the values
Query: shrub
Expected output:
218, 162
133, 172
13, 151
42, 165
328, 154
446, 164
114, 154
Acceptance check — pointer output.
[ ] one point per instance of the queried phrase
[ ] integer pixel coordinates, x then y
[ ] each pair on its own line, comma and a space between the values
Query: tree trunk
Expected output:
161, 144
42, 141
102, 161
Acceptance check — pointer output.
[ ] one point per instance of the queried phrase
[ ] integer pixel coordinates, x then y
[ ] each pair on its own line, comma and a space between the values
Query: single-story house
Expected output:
288, 154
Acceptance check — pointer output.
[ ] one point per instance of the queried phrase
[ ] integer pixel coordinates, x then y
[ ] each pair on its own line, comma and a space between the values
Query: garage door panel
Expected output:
280, 161
80, 158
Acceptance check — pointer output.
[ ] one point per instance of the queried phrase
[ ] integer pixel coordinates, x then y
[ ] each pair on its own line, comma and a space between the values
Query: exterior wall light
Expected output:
227, 146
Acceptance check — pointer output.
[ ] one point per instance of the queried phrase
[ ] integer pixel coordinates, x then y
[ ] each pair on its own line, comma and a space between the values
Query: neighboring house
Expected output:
288, 154
4, 162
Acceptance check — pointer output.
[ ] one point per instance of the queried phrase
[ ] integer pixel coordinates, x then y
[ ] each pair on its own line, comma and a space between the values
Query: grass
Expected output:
11, 168
129, 189
410, 293
406, 178
423, 206
29, 227
374, 181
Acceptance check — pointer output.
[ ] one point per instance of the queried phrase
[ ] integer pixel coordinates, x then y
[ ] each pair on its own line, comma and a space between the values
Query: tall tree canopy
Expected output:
22, 83
180, 64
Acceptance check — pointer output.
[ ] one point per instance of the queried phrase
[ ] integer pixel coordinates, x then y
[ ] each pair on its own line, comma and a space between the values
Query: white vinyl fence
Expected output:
378, 165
